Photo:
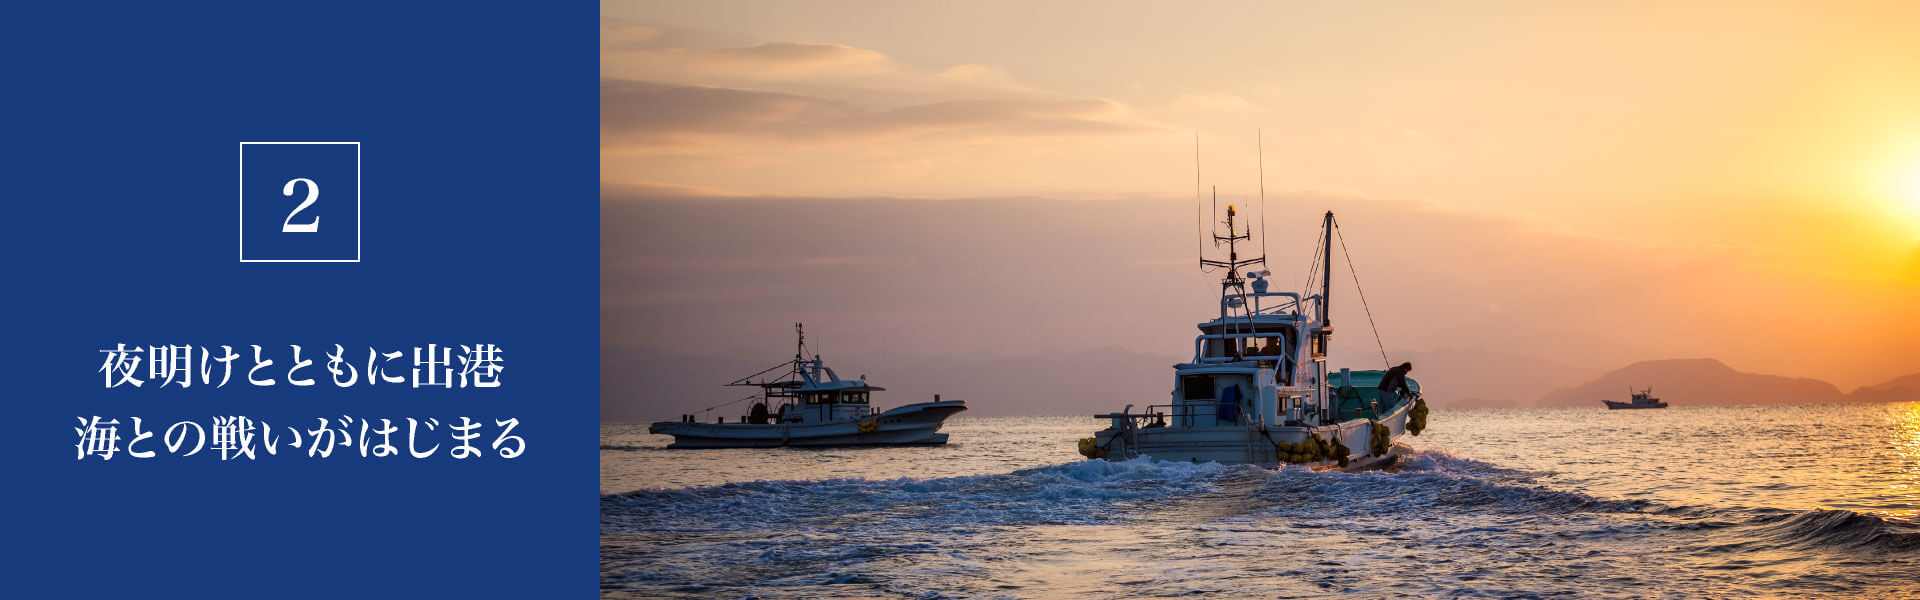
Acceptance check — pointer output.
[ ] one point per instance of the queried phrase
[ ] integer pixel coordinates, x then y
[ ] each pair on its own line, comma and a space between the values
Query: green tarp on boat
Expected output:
1357, 403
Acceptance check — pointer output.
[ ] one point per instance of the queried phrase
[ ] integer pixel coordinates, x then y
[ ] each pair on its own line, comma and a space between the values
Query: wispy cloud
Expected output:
618, 191
771, 61
653, 114
993, 118
705, 102
619, 35
635, 111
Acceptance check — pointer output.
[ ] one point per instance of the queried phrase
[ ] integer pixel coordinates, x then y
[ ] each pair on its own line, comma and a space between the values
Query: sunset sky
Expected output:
1595, 182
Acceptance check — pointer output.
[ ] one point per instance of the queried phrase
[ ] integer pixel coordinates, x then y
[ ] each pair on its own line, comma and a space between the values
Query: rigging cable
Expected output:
710, 408
1199, 249
1199, 246
1363, 296
1261, 149
1313, 274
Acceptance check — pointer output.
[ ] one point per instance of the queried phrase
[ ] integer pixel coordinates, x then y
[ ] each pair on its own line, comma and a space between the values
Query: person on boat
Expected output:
1395, 382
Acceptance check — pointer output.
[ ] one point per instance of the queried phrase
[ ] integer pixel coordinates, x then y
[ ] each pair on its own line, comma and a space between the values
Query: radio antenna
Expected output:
1260, 147
1199, 249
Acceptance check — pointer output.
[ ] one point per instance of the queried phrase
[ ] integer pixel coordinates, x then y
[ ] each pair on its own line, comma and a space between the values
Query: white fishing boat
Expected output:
1258, 389
803, 402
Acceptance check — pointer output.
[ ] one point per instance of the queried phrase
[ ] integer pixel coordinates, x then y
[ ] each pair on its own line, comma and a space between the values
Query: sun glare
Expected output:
1898, 173
1910, 190
1901, 189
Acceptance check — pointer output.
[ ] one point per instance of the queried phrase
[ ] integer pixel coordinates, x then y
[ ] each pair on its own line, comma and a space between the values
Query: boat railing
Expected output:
1182, 414
1289, 303
1127, 419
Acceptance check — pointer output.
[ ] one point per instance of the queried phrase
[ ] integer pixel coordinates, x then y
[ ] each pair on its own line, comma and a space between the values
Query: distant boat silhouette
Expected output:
1642, 399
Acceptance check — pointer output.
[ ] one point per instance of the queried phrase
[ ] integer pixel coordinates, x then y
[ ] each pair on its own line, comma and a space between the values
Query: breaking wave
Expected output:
1836, 529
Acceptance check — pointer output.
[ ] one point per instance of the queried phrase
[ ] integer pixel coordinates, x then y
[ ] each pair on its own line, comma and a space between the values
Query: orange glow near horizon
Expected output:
1592, 182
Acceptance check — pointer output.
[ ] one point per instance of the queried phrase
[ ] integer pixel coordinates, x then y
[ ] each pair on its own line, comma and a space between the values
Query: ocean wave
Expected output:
1443, 460
1837, 529
1683, 516
1084, 492
1431, 480
1101, 492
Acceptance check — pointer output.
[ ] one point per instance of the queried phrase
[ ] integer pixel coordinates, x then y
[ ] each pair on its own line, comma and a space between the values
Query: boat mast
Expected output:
1324, 392
1326, 277
800, 352
1233, 281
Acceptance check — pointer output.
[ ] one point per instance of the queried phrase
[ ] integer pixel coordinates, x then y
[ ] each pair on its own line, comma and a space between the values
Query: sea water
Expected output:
1685, 502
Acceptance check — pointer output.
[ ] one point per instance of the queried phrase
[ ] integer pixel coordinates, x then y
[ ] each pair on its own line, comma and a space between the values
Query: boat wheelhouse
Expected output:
803, 402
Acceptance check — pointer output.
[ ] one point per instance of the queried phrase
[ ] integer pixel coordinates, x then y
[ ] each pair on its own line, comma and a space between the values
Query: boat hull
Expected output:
910, 425
1255, 445
1611, 405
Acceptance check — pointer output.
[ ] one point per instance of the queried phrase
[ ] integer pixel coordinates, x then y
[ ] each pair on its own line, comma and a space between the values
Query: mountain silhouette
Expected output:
1695, 382
1898, 389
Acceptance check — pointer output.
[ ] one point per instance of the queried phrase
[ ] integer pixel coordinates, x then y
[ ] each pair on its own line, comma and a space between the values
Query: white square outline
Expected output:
243, 206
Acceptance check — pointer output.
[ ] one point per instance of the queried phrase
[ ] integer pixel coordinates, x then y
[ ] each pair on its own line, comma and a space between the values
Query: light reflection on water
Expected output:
1800, 501
1904, 450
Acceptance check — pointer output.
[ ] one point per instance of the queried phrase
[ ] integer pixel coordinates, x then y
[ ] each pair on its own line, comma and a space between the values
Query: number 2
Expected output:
313, 193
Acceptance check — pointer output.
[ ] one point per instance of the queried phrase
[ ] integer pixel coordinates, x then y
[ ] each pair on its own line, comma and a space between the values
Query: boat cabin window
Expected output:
1217, 348
1196, 387
836, 397
1264, 346
1268, 341
1253, 346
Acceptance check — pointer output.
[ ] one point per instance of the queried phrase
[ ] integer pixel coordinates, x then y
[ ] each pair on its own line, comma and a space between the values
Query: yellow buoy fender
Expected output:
1283, 451
1312, 449
869, 426
1417, 420
1090, 448
1341, 451
1382, 439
